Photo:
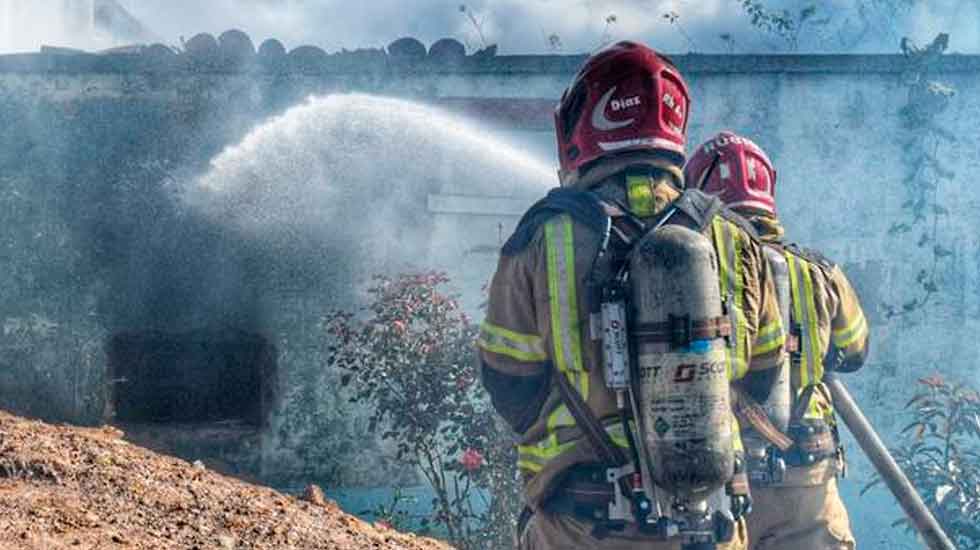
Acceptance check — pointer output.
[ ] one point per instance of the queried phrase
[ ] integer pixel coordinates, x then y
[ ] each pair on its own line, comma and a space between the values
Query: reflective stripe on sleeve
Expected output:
534, 457
856, 330
522, 347
770, 338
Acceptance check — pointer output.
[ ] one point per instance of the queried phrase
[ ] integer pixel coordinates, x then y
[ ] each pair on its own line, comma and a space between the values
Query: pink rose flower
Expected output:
471, 460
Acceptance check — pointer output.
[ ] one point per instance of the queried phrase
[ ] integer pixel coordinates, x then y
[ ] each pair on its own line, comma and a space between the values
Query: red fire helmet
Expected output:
736, 170
625, 97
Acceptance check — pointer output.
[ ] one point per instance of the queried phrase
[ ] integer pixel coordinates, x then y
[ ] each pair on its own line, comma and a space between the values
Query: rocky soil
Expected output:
74, 488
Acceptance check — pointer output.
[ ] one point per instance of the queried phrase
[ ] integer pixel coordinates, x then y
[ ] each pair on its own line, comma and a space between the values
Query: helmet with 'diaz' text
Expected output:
625, 98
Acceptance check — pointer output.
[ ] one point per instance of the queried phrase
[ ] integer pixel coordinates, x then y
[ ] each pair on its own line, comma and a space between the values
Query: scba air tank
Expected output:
774, 384
780, 401
679, 328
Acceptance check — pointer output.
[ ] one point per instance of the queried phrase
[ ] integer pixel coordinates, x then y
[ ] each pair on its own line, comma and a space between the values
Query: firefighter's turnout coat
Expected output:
805, 510
537, 325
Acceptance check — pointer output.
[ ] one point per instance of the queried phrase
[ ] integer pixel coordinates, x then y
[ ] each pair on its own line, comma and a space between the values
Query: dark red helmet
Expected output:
736, 169
626, 97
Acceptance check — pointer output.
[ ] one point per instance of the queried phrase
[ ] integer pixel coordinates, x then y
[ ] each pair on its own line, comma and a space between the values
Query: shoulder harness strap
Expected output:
742, 223
811, 255
701, 208
698, 206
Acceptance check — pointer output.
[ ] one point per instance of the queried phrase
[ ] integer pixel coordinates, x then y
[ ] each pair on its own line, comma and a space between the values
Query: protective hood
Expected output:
613, 165
768, 226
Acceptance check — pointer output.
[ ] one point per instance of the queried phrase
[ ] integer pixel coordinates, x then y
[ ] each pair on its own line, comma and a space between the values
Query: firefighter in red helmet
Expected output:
578, 397
794, 456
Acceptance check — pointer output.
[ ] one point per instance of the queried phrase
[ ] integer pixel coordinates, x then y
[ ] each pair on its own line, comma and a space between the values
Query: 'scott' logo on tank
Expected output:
686, 372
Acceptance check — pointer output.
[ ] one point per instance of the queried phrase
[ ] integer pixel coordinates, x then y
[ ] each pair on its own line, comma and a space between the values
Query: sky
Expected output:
516, 26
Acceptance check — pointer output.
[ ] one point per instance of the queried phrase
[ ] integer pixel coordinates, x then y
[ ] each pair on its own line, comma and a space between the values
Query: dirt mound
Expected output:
66, 487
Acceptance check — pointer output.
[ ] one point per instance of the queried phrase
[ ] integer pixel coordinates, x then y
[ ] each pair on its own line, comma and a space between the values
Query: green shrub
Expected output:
410, 358
941, 456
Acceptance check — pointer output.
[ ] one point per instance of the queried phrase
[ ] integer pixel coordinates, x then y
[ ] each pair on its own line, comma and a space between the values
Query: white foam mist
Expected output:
354, 172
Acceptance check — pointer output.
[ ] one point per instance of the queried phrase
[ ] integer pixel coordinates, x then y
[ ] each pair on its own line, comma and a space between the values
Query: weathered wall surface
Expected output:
875, 169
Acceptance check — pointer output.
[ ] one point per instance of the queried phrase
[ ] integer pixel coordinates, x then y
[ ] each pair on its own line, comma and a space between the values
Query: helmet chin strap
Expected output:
707, 173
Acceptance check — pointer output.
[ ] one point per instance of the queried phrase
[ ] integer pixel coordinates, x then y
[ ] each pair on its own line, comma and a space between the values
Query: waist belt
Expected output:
586, 494
814, 442
803, 476
809, 438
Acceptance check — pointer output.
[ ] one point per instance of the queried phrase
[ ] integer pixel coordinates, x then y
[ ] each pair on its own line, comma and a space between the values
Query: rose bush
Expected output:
410, 357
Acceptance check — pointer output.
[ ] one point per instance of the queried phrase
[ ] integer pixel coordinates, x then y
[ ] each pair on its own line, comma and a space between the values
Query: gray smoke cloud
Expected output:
519, 26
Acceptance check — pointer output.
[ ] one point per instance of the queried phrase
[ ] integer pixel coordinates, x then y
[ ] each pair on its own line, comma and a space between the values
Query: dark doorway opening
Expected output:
192, 377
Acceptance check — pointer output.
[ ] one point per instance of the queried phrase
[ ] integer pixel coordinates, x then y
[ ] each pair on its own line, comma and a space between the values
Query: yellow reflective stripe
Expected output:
559, 418
523, 347
820, 407
739, 356
510, 352
794, 286
737, 443
763, 348
531, 339
571, 310
738, 289
620, 440
774, 328
535, 456
816, 351
732, 286
804, 313
770, 338
852, 333
565, 326
546, 449
529, 466
617, 434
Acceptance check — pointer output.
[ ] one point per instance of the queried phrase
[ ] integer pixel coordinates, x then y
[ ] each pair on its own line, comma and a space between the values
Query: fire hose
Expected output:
893, 476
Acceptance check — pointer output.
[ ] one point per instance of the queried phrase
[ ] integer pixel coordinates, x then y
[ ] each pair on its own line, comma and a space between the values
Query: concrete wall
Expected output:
875, 168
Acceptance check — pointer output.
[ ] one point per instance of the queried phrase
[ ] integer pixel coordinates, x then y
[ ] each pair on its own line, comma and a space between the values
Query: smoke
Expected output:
26, 25
517, 26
